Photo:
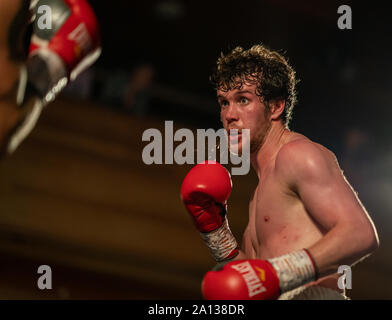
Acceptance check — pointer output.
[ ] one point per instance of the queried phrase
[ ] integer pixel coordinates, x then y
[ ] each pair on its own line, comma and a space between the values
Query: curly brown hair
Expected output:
269, 70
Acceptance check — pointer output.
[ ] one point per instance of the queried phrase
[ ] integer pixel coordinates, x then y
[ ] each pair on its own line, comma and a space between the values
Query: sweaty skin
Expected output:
302, 199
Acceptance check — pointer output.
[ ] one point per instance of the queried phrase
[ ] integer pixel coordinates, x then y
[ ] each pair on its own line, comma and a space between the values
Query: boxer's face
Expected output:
243, 109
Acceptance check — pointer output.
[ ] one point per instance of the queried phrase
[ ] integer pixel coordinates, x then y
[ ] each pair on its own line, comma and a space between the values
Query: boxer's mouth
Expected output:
234, 134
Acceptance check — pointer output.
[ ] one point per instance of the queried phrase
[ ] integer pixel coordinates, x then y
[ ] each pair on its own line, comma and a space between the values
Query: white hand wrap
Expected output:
294, 269
221, 242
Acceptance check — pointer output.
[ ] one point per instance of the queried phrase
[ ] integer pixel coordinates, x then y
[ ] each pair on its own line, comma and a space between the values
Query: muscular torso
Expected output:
278, 220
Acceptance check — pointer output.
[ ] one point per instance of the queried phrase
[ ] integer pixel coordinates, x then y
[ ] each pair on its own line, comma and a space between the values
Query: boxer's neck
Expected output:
273, 141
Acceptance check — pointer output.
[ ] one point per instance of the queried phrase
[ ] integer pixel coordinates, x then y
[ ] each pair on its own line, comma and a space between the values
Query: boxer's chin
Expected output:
235, 150
236, 144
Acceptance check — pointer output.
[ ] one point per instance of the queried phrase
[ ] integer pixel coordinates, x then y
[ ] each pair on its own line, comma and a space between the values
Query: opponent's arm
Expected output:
14, 16
55, 57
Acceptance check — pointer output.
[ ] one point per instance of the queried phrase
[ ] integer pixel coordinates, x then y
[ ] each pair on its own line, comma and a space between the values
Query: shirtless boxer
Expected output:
305, 220
37, 63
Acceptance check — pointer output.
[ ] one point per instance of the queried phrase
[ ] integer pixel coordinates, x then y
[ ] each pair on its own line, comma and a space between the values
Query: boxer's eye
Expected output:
223, 103
244, 100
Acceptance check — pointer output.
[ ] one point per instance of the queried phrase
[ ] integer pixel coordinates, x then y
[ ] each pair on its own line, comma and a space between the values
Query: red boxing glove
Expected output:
64, 43
242, 280
259, 279
205, 191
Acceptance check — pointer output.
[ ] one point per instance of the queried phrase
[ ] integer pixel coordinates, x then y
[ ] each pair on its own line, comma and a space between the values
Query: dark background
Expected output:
343, 73
77, 196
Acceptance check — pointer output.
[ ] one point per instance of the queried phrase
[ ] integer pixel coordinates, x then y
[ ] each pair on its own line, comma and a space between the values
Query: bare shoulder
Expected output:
302, 148
302, 158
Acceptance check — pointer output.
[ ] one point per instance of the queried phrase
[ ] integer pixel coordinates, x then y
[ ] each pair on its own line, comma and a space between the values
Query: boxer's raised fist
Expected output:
205, 191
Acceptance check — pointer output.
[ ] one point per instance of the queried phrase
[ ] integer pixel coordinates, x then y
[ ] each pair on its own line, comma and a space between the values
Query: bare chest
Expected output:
278, 221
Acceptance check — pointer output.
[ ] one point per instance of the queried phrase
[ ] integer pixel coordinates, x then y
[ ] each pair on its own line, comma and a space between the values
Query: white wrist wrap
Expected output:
221, 241
294, 269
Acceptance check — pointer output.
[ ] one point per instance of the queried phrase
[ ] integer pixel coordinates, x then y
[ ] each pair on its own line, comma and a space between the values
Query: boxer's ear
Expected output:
276, 108
19, 33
